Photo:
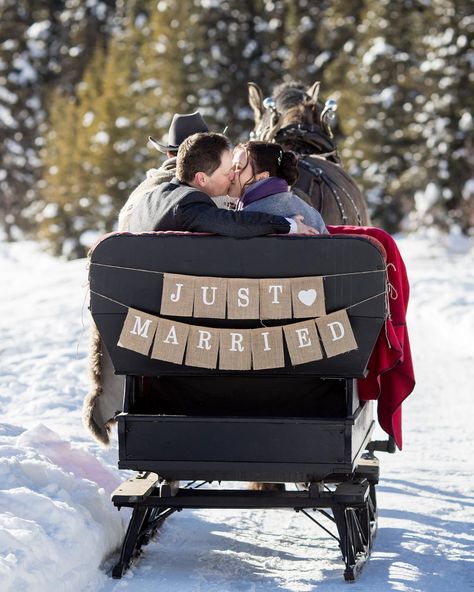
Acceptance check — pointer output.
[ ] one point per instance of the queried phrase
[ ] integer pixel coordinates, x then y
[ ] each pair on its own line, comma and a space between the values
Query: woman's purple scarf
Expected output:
262, 189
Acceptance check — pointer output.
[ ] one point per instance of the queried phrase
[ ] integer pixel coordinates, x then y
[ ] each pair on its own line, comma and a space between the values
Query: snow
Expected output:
59, 529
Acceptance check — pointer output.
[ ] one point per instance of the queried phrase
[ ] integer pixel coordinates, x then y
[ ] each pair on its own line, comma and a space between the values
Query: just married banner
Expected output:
319, 335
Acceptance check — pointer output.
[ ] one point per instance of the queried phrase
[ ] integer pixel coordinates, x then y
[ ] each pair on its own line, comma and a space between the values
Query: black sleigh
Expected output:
183, 427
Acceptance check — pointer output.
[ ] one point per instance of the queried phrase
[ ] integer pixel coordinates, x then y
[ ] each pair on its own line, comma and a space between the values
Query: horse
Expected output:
295, 118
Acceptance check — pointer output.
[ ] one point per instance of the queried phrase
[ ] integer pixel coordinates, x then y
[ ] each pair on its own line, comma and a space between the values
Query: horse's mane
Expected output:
289, 100
288, 95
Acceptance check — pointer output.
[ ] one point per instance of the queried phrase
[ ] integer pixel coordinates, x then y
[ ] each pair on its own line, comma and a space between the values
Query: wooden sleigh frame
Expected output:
328, 448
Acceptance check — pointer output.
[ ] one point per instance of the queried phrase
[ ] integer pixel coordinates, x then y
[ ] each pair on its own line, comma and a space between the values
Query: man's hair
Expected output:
200, 153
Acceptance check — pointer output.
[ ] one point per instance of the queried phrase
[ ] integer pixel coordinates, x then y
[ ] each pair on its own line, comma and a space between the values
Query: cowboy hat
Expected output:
182, 126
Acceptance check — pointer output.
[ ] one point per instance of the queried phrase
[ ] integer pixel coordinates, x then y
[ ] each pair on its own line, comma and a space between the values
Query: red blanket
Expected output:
390, 377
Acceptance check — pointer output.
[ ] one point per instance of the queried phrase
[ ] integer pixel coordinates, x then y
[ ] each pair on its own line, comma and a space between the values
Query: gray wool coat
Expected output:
288, 204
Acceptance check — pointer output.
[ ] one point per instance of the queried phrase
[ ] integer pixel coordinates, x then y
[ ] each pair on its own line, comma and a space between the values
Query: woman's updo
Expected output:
288, 168
267, 156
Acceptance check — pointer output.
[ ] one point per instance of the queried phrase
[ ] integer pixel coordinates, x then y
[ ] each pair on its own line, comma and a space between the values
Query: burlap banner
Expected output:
242, 298
237, 349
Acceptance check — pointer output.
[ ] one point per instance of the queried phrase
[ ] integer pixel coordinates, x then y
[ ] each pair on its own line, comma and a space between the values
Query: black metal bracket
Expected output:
382, 446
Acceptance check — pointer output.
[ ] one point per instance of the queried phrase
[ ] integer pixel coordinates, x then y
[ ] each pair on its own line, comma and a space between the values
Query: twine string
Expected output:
162, 273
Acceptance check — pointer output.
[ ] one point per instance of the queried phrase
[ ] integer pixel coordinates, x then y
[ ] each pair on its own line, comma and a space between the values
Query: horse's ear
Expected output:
256, 101
313, 92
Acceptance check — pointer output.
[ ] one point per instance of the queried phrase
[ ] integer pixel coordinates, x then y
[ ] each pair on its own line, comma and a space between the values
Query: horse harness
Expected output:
320, 177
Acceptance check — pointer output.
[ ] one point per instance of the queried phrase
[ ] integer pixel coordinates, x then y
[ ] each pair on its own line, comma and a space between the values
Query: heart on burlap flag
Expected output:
170, 341
243, 298
275, 298
235, 349
210, 297
138, 331
177, 296
302, 341
307, 295
202, 347
267, 348
336, 333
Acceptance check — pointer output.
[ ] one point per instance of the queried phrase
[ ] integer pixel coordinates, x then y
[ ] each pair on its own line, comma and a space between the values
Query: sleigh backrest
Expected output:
127, 272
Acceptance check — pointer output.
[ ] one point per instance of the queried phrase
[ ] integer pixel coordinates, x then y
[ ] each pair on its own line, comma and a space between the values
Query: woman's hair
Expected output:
268, 156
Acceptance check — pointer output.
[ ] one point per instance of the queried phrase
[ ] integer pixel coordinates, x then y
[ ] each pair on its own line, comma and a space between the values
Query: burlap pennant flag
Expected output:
138, 331
307, 294
267, 348
243, 298
210, 297
336, 333
177, 296
275, 298
235, 349
203, 347
170, 341
303, 342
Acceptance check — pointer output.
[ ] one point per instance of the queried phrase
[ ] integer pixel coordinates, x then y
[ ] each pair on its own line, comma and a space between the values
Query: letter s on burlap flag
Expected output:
138, 331
243, 297
336, 333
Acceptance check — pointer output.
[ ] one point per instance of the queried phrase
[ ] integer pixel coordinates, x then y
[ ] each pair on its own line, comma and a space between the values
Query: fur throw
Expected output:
105, 397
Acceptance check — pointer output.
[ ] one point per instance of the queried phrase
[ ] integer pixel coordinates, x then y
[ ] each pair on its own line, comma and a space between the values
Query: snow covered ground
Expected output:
59, 530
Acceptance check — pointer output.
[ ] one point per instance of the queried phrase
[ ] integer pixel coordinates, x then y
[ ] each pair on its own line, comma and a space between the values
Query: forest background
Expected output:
84, 83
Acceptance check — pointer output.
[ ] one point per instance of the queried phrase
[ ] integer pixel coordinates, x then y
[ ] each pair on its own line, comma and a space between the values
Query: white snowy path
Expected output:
58, 528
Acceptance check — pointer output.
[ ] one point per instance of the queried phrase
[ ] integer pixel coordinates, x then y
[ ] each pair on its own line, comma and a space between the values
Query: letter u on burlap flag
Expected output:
210, 297
177, 296
336, 333
170, 341
267, 348
138, 331
302, 341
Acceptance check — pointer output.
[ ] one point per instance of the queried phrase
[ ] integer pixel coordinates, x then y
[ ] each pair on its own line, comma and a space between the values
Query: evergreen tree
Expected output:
43, 45
445, 116
380, 99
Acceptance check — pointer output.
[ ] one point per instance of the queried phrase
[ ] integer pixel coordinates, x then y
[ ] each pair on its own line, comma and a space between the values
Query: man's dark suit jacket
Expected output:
176, 206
